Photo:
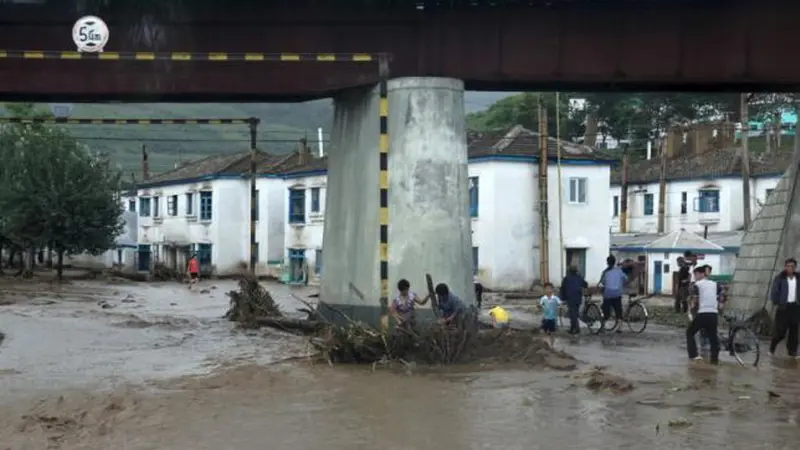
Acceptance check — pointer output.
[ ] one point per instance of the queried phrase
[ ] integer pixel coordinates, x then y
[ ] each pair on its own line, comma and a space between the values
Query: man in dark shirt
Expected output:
684, 280
572, 287
450, 306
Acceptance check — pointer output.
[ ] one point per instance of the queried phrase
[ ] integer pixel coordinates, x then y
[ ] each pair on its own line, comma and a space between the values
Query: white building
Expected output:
702, 190
660, 254
204, 208
504, 203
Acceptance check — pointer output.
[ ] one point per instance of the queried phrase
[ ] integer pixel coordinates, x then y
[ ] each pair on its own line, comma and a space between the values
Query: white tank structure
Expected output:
773, 236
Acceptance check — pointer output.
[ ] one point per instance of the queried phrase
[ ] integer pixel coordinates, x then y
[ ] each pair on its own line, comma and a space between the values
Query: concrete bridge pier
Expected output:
429, 222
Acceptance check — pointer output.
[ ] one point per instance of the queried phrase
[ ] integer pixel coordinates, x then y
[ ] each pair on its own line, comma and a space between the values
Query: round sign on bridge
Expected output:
90, 34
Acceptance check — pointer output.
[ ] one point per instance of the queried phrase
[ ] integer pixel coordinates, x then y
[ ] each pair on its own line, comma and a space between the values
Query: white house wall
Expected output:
506, 230
730, 217
308, 235
228, 231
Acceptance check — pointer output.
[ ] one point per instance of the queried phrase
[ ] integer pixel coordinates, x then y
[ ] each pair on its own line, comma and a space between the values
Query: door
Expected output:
657, 274
576, 257
144, 257
296, 265
204, 258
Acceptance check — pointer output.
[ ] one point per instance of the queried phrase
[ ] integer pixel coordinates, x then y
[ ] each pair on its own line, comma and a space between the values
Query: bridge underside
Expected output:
601, 45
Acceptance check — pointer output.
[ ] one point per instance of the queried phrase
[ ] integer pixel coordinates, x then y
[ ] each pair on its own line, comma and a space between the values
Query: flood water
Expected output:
159, 369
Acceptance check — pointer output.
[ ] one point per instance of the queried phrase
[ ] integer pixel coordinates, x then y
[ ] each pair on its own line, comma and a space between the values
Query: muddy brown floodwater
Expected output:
157, 369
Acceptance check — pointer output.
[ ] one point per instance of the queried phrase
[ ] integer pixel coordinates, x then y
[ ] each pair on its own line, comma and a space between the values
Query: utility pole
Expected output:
745, 118
623, 200
662, 189
253, 125
544, 222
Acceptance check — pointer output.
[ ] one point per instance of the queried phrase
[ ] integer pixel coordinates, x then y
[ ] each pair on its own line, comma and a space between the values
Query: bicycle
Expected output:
741, 341
635, 315
590, 314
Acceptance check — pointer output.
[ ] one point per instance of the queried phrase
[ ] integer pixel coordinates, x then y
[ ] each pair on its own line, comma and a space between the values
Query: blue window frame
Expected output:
315, 199
615, 203
473, 196
297, 206
708, 201
132, 205
144, 207
205, 205
648, 204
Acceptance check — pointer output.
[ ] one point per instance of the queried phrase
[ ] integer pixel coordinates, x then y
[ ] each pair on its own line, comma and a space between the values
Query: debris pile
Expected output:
163, 273
356, 342
250, 302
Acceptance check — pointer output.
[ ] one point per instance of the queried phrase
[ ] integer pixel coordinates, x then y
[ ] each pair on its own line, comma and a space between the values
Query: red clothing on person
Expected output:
194, 266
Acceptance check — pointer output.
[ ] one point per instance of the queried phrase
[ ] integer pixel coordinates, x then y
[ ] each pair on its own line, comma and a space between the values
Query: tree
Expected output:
523, 109
54, 192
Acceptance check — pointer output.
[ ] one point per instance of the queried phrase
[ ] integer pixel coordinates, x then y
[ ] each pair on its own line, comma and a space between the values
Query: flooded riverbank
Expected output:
159, 369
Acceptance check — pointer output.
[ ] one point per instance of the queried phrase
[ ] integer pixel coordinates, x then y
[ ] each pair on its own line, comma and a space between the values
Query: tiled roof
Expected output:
725, 239
711, 164
225, 164
684, 240
520, 141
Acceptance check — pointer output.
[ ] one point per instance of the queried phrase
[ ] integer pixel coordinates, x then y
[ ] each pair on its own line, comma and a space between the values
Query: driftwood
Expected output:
285, 323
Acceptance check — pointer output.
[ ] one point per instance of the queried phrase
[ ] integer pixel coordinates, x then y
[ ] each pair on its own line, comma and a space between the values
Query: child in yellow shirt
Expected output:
499, 317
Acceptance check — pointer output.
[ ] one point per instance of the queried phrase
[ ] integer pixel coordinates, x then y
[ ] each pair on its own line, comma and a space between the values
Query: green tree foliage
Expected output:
54, 192
523, 109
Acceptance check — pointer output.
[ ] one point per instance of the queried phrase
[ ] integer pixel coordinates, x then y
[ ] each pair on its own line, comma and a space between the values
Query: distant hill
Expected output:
282, 125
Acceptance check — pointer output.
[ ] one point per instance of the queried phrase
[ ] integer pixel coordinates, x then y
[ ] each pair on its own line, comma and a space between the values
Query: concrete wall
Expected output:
772, 237
428, 198
729, 218
506, 231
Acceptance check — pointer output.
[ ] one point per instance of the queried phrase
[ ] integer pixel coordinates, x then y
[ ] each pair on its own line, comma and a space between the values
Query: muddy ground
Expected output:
113, 364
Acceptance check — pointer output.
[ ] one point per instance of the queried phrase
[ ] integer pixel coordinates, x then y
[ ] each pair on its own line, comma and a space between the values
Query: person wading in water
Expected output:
193, 267
402, 308
787, 308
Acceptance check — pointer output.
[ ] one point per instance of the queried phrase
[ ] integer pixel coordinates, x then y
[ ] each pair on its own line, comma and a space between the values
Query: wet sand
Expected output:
161, 370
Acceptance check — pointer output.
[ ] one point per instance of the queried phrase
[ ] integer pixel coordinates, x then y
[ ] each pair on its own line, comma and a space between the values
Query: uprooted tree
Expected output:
54, 192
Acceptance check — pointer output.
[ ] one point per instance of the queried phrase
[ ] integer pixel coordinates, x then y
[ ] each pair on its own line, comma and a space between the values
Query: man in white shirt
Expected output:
705, 295
784, 295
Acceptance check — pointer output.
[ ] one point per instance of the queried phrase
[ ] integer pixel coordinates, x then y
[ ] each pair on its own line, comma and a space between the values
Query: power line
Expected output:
188, 141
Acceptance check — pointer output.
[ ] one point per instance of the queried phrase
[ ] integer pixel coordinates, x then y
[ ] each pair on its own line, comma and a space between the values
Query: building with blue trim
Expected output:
203, 208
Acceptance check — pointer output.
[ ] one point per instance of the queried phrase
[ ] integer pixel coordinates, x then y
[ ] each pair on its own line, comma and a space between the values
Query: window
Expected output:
769, 193
473, 196
314, 199
172, 205
648, 204
318, 263
255, 252
616, 205
205, 205
684, 200
708, 201
189, 204
257, 203
144, 207
132, 205
577, 190
297, 206
474, 260
155, 206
